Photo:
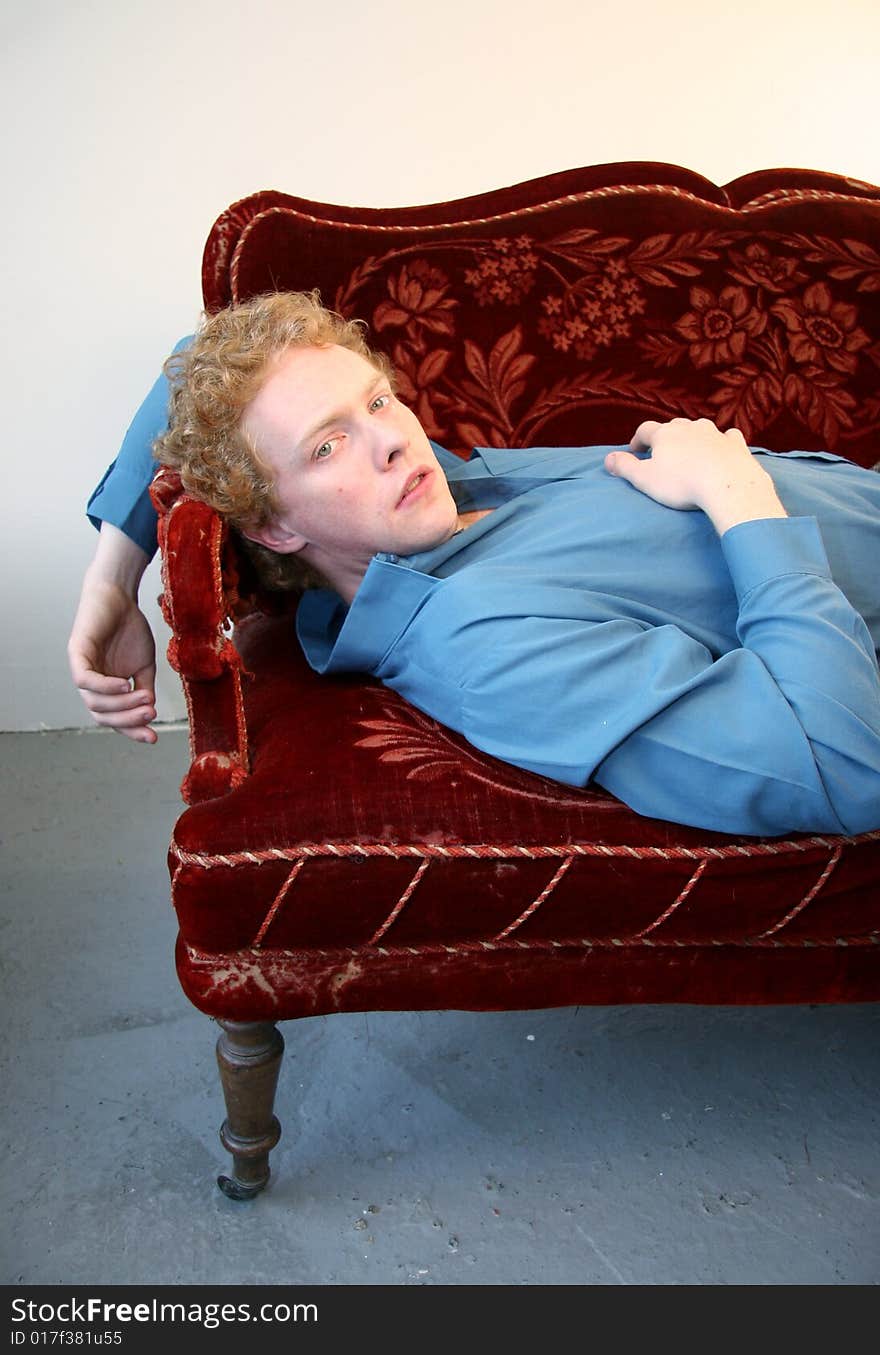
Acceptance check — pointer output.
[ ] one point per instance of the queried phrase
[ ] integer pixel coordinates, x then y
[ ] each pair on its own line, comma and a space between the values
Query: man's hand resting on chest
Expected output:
692, 464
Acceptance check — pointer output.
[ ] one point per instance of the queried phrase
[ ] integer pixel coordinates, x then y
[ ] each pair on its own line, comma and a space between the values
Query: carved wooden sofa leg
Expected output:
249, 1058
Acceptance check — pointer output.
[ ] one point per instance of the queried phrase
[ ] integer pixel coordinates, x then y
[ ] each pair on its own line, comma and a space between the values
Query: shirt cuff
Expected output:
769, 548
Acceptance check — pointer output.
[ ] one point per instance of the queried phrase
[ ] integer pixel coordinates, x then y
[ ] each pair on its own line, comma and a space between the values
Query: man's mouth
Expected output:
412, 486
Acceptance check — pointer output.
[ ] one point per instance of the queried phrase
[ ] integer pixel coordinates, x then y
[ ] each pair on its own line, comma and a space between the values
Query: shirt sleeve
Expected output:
122, 497
778, 736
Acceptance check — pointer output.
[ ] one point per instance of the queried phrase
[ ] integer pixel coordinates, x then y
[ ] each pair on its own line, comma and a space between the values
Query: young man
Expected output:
691, 624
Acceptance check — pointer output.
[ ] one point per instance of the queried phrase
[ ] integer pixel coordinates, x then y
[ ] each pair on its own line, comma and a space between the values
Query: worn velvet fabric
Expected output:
343, 851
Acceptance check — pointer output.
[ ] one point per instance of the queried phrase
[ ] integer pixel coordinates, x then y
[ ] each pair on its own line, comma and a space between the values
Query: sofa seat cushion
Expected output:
369, 844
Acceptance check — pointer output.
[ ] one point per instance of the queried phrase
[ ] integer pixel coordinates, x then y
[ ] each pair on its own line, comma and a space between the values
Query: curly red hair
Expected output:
213, 381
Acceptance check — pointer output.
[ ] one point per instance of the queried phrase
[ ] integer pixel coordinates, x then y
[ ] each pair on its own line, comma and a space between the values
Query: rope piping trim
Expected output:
360, 851
766, 937
544, 894
766, 201
773, 198
300, 958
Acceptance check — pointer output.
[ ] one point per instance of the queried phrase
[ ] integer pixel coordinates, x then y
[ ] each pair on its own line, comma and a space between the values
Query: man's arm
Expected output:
111, 650
781, 735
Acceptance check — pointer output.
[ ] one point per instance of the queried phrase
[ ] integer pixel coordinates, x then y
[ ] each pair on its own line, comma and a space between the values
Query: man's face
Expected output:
353, 469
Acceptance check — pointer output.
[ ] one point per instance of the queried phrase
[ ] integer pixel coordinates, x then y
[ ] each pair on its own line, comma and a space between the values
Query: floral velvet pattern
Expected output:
771, 340
344, 851
522, 328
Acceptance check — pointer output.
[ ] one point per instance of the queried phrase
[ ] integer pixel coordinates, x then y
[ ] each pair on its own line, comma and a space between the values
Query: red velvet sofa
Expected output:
343, 852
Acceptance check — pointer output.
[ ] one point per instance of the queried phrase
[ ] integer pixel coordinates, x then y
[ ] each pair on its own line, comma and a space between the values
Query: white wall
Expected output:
130, 124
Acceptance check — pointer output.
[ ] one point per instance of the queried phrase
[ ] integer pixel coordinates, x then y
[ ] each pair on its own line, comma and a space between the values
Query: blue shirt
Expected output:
585, 632
122, 496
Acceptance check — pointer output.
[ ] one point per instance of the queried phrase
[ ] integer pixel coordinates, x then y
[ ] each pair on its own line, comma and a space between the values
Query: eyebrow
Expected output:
336, 415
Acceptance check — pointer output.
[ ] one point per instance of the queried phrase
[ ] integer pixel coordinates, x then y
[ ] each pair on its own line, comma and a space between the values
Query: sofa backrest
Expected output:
565, 310
561, 311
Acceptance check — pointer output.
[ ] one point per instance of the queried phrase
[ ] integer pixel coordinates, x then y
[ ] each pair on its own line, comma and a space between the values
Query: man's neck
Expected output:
343, 576
346, 577
466, 520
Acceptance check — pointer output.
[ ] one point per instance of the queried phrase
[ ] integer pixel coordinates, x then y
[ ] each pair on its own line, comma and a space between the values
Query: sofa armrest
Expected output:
199, 601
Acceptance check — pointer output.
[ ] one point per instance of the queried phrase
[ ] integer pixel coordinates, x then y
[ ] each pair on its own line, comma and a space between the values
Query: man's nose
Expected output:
390, 443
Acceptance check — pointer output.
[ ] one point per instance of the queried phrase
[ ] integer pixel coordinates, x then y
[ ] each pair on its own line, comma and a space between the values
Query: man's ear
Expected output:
275, 537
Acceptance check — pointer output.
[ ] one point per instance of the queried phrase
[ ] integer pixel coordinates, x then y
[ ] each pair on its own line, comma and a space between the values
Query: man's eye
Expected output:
380, 401
324, 450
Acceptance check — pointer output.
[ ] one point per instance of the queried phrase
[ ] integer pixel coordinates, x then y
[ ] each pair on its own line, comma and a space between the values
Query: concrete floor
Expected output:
592, 1146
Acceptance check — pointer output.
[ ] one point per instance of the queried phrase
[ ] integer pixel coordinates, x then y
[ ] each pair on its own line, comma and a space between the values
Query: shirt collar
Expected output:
337, 639
340, 639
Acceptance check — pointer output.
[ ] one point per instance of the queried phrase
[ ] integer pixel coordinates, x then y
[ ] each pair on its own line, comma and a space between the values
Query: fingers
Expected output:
125, 719
89, 681
141, 735
137, 733
628, 467
145, 680
105, 691
643, 436
130, 700
133, 721
114, 704
87, 678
